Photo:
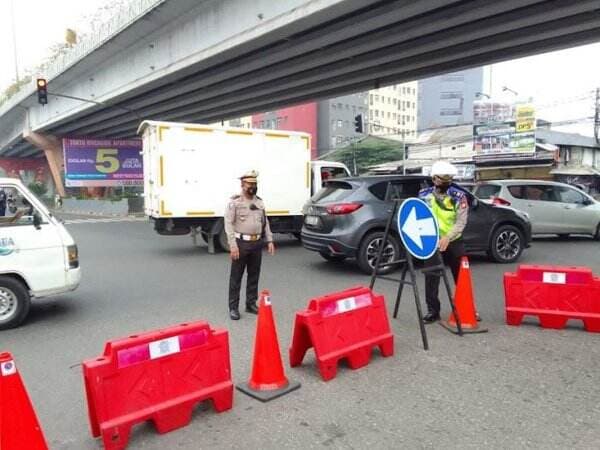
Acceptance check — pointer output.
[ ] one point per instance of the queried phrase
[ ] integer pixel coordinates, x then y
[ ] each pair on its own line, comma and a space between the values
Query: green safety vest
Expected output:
445, 211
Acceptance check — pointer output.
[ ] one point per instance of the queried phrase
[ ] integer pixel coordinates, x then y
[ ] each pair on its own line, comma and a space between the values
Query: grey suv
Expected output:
346, 219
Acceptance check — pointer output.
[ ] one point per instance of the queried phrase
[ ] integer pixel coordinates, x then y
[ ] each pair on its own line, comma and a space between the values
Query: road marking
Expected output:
104, 220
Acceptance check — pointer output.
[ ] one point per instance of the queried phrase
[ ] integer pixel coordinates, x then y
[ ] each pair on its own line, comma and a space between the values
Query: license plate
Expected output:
311, 220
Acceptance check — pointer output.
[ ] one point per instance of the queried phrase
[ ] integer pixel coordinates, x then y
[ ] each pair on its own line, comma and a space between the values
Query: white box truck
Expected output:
191, 171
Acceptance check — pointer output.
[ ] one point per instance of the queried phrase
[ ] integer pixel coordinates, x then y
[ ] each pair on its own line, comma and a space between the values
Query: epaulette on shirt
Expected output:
456, 193
235, 197
425, 192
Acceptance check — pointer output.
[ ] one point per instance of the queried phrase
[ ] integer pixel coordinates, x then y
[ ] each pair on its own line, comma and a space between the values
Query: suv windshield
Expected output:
333, 191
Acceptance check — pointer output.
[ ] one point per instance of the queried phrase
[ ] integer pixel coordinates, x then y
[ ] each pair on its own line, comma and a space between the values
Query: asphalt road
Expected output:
514, 387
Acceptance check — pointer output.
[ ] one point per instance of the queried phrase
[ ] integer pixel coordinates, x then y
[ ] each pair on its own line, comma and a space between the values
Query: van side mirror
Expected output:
37, 221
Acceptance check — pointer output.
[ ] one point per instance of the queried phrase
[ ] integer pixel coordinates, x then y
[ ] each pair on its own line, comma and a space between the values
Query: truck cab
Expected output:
38, 256
323, 171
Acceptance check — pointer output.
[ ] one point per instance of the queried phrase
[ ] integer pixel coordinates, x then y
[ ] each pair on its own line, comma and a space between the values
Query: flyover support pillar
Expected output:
52, 147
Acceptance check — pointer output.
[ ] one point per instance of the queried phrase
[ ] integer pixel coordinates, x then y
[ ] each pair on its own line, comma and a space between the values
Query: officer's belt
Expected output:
248, 237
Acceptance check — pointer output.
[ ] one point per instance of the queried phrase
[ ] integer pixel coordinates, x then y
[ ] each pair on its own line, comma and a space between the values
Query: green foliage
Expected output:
38, 189
369, 152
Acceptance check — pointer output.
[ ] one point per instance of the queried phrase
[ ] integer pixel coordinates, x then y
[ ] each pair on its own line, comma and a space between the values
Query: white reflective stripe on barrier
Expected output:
164, 347
555, 278
346, 304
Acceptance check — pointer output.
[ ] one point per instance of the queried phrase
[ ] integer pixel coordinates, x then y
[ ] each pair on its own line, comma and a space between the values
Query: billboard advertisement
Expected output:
501, 129
103, 162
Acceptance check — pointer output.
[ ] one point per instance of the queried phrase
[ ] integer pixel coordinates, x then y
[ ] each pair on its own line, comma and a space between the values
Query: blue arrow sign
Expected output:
418, 228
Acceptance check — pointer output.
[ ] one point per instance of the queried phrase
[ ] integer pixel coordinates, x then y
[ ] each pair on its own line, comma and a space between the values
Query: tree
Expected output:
368, 152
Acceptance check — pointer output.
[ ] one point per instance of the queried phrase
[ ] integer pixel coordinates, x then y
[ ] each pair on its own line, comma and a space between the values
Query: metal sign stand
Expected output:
438, 269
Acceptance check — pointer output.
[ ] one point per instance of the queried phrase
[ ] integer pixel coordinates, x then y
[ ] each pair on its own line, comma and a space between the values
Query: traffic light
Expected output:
359, 123
42, 91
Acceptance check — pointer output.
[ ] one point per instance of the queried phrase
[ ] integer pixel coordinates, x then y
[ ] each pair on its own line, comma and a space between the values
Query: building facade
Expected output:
393, 110
336, 121
447, 100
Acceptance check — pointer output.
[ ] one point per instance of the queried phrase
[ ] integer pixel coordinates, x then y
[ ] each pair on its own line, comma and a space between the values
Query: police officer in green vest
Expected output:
451, 209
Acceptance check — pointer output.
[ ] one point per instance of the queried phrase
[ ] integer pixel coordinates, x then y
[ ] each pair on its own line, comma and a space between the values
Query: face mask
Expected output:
252, 190
443, 187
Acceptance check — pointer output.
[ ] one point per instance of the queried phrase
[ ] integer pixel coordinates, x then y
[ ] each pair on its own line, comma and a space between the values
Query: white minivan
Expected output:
38, 256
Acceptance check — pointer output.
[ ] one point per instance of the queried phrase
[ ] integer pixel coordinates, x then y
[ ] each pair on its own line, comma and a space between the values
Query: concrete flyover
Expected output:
202, 61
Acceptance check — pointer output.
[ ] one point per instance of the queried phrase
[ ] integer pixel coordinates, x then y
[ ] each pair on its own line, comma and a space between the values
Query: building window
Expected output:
395, 101
450, 95
338, 139
347, 107
376, 98
388, 115
339, 106
370, 99
333, 124
376, 113
453, 78
262, 124
333, 105
450, 112
389, 100
279, 123
353, 109
371, 114
394, 116
404, 89
339, 124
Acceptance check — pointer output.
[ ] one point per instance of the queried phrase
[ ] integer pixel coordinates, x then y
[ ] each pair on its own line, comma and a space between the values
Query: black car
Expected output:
347, 218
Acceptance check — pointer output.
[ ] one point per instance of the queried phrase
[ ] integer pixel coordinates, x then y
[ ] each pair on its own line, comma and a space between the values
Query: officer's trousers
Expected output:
249, 261
451, 257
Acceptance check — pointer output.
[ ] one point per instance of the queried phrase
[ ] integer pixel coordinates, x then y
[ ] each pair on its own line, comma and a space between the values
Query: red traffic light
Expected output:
42, 91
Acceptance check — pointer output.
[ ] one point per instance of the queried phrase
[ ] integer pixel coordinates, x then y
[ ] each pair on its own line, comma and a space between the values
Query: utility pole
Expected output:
597, 117
14, 39
403, 153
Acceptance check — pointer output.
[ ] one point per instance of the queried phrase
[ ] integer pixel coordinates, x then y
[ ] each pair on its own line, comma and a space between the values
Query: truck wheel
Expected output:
369, 248
506, 245
14, 302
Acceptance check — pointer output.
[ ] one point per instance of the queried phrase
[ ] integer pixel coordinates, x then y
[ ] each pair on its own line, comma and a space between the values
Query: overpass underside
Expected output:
351, 46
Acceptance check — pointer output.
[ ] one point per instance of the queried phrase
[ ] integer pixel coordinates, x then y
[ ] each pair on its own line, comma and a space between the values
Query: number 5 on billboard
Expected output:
107, 161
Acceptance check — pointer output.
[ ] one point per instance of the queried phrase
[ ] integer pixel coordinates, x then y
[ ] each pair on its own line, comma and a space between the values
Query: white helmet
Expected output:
443, 168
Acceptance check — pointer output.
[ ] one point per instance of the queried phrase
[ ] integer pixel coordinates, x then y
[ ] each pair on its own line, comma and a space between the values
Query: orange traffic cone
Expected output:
19, 427
268, 380
464, 303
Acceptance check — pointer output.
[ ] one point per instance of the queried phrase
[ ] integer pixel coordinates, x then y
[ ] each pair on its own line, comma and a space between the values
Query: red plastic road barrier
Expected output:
19, 427
554, 294
345, 324
160, 376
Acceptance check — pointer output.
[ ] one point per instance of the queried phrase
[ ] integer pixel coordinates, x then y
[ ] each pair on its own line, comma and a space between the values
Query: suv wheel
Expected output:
369, 249
506, 245
14, 302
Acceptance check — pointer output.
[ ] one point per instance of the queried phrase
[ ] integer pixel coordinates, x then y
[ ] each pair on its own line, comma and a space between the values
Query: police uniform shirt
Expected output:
241, 217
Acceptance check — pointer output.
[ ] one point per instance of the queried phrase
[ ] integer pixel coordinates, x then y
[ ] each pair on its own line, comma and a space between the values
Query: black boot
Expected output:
252, 308
431, 317
234, 314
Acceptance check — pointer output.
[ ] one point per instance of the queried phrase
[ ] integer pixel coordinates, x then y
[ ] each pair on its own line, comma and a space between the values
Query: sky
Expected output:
561, 84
